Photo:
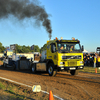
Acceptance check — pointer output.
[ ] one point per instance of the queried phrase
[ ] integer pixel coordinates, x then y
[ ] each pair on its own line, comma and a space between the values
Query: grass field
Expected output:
90, 69
9, 91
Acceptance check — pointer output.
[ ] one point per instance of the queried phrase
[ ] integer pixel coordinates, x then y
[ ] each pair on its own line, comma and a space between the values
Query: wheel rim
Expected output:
50, 70
33, 69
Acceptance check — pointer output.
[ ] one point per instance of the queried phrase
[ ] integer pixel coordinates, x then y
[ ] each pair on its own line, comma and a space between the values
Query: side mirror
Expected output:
82, 48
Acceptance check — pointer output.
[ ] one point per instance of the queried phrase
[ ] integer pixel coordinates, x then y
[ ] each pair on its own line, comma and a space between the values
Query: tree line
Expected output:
24, 49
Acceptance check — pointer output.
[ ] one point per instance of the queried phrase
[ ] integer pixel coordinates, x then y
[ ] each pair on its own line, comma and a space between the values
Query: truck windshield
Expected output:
68, 47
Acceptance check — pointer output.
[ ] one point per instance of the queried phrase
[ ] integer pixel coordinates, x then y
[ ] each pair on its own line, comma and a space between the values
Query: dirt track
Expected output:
84, 86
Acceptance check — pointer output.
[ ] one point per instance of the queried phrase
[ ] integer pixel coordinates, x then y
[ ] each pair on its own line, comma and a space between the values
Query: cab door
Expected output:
52, 54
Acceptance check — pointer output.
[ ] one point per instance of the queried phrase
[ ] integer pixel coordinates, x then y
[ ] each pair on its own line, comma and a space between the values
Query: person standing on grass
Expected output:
84, 60
98, 60
95, 60
92, 60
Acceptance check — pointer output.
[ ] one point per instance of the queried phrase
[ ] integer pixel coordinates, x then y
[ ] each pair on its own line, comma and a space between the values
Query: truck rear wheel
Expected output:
51, 70
33, 68
14, 66
4, 65
74, 72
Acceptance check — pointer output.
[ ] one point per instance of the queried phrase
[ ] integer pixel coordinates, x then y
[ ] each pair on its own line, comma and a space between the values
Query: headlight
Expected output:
61, 63
78, 57
81, 62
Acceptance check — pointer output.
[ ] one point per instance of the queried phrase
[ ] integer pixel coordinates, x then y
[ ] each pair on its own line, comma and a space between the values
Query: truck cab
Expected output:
62, 55
65, 55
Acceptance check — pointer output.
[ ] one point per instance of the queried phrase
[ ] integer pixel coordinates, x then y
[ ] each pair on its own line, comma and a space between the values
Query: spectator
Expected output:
91, 60
84, 60
95, 60
88, 60
98, 60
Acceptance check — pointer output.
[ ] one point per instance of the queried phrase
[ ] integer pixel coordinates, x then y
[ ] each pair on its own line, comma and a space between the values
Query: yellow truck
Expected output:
60, 55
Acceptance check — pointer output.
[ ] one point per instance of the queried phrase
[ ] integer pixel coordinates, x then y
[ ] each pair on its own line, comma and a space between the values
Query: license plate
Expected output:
72, 68
62, 68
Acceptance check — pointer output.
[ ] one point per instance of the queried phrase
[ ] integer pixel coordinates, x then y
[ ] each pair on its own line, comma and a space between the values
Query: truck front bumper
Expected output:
60, 68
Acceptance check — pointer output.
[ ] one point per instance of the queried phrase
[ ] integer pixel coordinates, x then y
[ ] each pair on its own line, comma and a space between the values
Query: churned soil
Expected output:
84, 86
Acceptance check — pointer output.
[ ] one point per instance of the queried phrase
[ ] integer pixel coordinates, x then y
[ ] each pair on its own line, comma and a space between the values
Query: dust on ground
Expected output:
83, 86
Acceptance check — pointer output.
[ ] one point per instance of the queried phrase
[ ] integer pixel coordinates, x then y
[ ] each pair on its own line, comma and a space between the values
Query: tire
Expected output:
14, 67
51, 70
74, 72
33, 68
4, 65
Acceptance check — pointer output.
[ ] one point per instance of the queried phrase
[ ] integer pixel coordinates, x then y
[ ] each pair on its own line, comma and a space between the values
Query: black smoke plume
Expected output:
25, 9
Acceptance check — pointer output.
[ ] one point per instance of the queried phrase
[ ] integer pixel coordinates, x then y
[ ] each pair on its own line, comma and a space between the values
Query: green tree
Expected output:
2, 48
36, 48
43, 48
26, 49
19, 48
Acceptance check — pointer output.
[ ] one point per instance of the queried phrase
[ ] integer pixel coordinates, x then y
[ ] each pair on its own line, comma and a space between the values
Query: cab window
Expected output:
53, 47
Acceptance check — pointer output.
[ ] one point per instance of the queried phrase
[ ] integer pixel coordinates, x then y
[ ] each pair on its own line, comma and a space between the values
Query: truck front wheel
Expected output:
51, 70
33, 68
74, 72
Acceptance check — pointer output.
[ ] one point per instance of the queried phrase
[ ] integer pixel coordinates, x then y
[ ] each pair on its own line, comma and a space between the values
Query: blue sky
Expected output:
69, 18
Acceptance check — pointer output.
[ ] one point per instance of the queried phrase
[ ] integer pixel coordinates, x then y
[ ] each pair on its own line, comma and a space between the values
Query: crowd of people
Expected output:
91, 59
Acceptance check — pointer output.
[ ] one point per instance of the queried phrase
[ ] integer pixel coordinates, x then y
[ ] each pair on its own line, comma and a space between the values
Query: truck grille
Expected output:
71, 57
72, 63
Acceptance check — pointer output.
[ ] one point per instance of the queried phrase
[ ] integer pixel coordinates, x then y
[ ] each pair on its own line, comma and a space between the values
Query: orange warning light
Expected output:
56, 38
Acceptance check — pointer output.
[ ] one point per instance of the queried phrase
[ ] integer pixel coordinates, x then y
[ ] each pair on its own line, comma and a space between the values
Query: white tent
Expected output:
85, 51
